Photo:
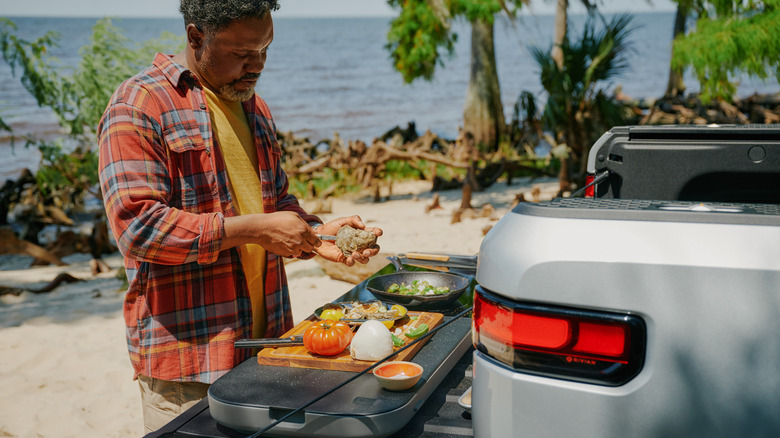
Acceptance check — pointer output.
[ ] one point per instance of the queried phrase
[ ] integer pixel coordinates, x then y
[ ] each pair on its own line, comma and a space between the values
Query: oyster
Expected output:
350, 239
370, 310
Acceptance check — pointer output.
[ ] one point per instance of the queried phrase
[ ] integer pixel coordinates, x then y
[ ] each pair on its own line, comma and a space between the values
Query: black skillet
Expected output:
379, 286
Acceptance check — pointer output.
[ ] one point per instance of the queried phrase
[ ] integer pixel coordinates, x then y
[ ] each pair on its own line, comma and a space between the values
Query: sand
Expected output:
64, 368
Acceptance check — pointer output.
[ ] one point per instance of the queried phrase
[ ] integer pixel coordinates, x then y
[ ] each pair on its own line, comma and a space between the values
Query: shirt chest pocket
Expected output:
193, 181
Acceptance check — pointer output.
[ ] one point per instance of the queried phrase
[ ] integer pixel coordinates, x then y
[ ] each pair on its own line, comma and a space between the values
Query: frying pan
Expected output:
379, 285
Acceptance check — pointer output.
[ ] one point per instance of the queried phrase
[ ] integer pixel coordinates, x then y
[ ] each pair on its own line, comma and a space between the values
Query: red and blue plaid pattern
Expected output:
166, 193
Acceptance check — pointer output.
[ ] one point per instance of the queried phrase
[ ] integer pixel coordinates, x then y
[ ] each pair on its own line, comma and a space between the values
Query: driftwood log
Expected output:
63, 277
12, 193
32, 211
762, 109
366, 166
11, 244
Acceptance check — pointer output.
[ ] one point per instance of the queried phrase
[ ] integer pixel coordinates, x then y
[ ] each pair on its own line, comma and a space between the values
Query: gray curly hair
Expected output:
212, 16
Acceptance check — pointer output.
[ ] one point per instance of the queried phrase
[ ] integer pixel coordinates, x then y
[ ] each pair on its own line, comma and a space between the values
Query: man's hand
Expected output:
283, 233
330, 251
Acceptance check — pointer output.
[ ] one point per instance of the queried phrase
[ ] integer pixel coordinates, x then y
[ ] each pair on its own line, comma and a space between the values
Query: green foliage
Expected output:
106, 61
400, 170
77, 96
78, 100
524, 129
418, 38
302, 185
421, 36
482, 10
577, 109
66, 175
30, 57
341, 181
731, 37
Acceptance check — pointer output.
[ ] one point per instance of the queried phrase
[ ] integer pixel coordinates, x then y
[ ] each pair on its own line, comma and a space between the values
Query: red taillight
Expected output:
601, 339
590, 191
525, 329
597, 347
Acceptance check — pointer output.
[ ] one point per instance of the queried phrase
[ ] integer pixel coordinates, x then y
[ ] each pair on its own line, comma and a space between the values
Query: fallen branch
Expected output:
11, 244
63, 277
385, 153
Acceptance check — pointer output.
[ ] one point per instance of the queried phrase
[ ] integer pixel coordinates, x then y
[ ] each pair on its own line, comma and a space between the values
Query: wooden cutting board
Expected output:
296, 356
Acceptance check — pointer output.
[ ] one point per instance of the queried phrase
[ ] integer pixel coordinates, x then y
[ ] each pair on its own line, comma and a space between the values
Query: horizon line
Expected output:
284, 16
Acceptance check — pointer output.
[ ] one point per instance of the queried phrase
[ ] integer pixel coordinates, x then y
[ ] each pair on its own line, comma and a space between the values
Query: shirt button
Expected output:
202, 106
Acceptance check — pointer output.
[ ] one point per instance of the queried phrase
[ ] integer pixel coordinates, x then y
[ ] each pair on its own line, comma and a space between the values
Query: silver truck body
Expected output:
704, 278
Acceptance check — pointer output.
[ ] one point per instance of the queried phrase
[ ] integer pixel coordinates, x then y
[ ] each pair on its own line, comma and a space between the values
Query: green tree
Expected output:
77, 96
730, 37
562, 25
422, 35
578, 111
675, 85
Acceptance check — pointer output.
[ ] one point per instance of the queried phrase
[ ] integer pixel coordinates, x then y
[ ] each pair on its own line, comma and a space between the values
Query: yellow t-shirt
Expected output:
236, 142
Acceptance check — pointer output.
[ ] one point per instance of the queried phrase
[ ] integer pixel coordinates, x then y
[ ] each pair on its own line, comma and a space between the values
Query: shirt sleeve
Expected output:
137, 188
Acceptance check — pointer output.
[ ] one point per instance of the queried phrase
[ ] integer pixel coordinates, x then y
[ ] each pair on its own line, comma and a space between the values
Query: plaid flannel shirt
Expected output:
166, 194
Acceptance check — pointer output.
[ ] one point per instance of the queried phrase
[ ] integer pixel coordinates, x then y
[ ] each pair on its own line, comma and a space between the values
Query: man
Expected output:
198, 204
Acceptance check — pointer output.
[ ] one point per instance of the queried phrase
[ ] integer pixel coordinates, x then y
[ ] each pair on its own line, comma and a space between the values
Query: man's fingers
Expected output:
313, 240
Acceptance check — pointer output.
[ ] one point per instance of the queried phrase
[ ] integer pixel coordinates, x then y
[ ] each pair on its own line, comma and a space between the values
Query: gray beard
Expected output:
229, 93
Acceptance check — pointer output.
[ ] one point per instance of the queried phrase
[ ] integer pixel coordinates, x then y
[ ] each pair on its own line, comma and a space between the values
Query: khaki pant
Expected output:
164, 400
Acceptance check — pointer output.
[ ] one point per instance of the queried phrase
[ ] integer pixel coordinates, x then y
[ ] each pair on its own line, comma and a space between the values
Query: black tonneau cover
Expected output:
727, 163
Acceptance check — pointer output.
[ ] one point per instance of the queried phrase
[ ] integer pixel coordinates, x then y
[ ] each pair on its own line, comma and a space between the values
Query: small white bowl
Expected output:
398, 375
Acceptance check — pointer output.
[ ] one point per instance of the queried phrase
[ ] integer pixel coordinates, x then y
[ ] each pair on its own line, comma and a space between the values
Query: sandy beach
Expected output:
64, 368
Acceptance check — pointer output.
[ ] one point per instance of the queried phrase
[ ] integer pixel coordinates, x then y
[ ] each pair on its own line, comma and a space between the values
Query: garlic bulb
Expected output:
372, 341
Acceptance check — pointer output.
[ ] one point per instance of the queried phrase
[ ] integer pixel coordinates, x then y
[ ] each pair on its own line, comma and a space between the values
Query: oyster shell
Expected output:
350, 239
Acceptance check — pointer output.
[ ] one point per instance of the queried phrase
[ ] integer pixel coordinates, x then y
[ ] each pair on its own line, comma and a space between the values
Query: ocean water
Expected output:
326, 75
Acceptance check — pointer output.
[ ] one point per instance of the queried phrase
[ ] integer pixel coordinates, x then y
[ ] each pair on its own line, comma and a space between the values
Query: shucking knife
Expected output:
326, 237
269, 342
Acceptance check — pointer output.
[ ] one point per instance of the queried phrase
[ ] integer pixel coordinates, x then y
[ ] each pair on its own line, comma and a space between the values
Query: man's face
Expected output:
230, 61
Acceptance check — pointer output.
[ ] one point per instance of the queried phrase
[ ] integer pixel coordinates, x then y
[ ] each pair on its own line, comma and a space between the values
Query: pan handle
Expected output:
399, 267
429, 257
446, 259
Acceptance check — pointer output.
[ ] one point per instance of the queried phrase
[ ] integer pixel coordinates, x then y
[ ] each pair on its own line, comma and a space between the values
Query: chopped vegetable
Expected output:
418, 331
396, 340
417, 288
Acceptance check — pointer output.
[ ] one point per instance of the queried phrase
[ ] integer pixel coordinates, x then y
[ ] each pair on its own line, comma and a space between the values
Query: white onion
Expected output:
371, 342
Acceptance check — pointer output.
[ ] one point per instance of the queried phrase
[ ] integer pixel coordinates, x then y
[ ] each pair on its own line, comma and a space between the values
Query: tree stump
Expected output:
465, 202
